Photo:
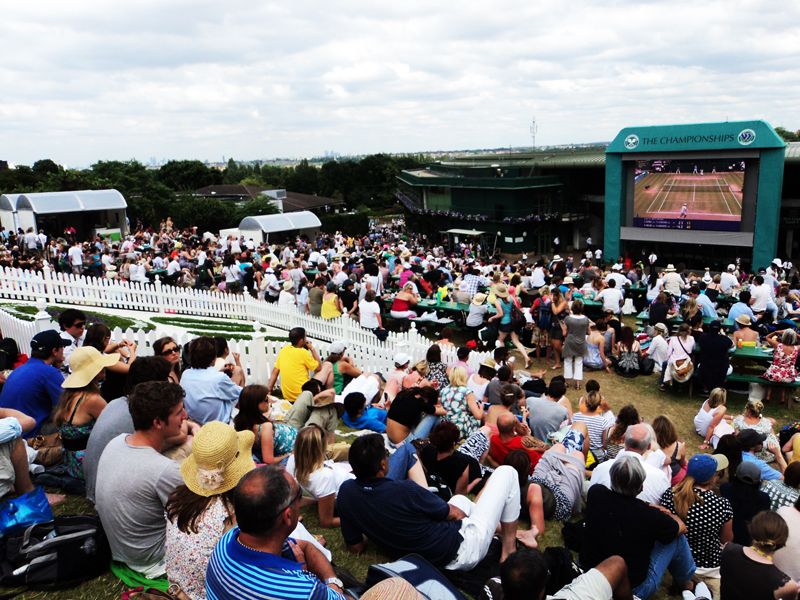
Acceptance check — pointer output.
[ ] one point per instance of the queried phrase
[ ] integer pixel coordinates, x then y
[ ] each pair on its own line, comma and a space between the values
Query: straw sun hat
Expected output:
220, 458
86, 363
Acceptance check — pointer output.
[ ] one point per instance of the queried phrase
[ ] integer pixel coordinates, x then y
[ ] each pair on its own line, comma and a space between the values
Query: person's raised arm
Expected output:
273, 379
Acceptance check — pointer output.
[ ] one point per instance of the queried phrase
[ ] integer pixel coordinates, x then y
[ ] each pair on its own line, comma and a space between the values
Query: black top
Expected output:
658, 314
714, 359
629, 527
408, 408
450, 468
746, 579
113, 385
747, 501
399, 516
348, 298
703, 524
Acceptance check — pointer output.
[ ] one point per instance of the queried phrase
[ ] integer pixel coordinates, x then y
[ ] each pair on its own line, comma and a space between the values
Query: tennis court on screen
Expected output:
715, 196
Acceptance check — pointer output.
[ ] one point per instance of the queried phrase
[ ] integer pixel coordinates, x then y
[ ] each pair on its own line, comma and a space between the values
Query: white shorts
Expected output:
592, 585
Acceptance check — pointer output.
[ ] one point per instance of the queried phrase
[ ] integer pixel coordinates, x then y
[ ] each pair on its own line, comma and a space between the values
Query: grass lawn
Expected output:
642, 392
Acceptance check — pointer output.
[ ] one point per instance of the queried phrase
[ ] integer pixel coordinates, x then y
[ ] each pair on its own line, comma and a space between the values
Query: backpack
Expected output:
544, 316
59, 554
563, 569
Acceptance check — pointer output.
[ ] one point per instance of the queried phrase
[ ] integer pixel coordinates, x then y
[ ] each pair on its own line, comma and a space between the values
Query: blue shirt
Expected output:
740, 308
236, 572
34, 389
707, 306
767, 472
400, 517
210, 395
372, 418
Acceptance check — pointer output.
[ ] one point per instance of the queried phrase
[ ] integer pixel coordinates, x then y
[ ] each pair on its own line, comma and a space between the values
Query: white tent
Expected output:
258, 227
85, 210
8, 211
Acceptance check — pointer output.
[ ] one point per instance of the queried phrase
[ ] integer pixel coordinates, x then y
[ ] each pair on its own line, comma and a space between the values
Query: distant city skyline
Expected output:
178, 79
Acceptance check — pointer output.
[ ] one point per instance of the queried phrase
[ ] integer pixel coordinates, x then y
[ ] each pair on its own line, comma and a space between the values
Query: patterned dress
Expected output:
763, 426
75, 438
437, 371
283, 437
454, 401
782, 369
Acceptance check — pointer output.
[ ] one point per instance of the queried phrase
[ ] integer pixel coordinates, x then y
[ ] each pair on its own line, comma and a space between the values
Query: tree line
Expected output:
367, 183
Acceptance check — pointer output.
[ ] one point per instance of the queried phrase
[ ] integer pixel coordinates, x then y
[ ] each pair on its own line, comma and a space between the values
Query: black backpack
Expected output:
58, 554
563, 569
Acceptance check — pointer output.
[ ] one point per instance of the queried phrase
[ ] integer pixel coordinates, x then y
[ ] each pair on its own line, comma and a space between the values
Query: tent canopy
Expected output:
67, 202
281, 222
470, 232
9, 202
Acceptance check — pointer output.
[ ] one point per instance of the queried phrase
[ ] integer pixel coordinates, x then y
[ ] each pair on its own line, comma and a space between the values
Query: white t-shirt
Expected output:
324, 481
368, 314
727, 281
75, 254
173, 267
760, 295
611, 298
537, 278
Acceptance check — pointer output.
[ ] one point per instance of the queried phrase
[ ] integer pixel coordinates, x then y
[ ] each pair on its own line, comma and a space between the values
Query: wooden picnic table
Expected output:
644, 317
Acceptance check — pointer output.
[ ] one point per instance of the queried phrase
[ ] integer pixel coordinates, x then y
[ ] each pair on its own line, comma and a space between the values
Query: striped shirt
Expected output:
596, 424
236, 572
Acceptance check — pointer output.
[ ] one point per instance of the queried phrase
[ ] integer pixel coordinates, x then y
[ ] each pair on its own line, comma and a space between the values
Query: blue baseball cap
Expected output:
703, 466
48, 340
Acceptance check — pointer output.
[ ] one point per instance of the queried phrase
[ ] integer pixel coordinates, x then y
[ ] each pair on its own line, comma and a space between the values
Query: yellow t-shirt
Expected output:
294, 365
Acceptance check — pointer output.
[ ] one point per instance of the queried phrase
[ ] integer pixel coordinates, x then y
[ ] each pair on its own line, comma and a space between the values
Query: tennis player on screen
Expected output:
684, 211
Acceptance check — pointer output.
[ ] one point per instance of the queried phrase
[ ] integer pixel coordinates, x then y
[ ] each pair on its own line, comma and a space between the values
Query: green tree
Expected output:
43, 168
304, 179
788, 136
188, 175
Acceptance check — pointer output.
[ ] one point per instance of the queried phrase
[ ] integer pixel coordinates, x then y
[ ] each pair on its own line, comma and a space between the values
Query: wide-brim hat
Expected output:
557, 258
86, 363
744, 320
220, 457
568, 281
670, 268
501, 291
479, 298
288, 285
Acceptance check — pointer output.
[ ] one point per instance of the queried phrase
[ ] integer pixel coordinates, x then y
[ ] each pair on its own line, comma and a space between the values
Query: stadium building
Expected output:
701, 194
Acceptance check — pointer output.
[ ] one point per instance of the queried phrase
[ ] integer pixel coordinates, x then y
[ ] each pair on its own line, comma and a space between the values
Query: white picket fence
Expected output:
367, 351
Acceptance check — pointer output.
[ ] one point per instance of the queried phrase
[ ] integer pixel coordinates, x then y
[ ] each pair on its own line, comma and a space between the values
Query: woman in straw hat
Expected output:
201, 510
81, 404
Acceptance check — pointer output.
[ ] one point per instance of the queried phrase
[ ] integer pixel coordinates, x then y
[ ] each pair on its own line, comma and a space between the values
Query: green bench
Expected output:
745, 378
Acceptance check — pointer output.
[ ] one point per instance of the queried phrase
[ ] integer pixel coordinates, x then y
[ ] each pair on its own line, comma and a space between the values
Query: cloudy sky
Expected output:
87, 80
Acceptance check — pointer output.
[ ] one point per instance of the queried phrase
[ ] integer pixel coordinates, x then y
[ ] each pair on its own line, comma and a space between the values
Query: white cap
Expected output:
777, 262
401, 358
337, 347
731, 267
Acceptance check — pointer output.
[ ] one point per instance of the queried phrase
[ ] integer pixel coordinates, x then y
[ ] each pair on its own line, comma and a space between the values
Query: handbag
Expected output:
682, 366
517, 317
23, 511
50, 449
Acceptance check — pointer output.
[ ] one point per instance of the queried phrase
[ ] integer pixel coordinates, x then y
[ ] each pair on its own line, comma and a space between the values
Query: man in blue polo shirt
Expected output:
35, 387
258, 559
403, 517
752, 441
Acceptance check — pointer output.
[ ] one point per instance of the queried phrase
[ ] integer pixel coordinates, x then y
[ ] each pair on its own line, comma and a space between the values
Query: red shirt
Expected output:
499, 449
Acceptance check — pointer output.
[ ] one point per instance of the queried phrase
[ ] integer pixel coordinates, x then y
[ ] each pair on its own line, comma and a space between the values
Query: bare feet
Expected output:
55, 499
527, 537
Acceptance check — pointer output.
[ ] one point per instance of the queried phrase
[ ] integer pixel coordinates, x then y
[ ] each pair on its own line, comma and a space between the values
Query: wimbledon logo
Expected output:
633, 140
746, 137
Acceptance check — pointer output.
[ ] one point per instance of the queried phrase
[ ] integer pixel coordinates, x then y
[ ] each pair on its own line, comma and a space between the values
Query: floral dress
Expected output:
763, 426
454, 401
75, 438
782, 369
283, 437
437, 371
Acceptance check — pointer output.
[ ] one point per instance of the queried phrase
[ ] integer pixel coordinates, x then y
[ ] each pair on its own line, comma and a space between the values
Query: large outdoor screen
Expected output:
702, 194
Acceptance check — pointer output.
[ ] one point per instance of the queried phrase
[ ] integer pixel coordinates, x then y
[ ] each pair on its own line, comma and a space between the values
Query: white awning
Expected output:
280, 222
68, 202
9, 202
473, 232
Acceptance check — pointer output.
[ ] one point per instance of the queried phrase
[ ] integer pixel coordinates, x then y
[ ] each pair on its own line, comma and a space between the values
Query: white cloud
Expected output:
88, 80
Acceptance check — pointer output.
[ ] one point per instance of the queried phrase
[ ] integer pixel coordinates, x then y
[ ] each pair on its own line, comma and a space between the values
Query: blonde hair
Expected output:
684, 496
69, 397
309, 452
754, 407
458, 377
593, 400
422, 368
717, 397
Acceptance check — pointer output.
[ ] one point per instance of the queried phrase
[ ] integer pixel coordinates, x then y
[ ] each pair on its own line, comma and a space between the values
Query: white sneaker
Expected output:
701, 591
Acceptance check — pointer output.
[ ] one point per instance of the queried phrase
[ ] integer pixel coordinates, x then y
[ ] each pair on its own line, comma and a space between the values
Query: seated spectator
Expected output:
417, 377
505, 374
453, 535
460, 404
674, 450
592, 412
369, 312
273, 441
712, 421
293, 364
638, 441
753, 418
783, 492
34, 389
509, 438
73, 330
659, 348
170, 350
200, 510
337, 370
648, 538
116, 419
258, 558
546, 415
512, 402
748, 571
556, 488
315, 406
134, 480
708, 516
787, 559
113, 385
81, 404
614, 436
413, 414
394, 380
746, 500
753, 442
359, 415
525, 576
627, 353
460, 472
745, 335
437, 370
478, 382
233, 370
210, 394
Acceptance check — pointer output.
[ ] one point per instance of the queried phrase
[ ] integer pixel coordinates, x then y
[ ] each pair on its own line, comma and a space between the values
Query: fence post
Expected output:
159, 294
258, 357
47, 275
42, 318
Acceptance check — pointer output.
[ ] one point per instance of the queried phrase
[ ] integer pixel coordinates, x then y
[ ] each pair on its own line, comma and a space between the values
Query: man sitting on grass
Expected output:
403, 517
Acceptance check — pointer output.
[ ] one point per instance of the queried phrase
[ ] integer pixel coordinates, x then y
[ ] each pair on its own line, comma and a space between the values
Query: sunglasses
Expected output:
294, 499
168, 351
79, 324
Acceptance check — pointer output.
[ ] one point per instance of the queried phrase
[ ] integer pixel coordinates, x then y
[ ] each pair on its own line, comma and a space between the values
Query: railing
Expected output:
46, 287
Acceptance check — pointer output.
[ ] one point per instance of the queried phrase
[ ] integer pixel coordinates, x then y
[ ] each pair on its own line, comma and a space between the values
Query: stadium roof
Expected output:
793, 152
281, 222
66, 202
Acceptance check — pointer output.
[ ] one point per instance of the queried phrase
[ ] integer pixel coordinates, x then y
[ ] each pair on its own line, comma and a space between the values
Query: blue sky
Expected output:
89, 80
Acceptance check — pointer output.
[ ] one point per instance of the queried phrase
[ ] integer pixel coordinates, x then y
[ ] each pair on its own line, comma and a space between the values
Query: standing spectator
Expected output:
35, 387
369, 312
210, 394
75, 255
575, 344
315, 295
679, 359
713, 356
